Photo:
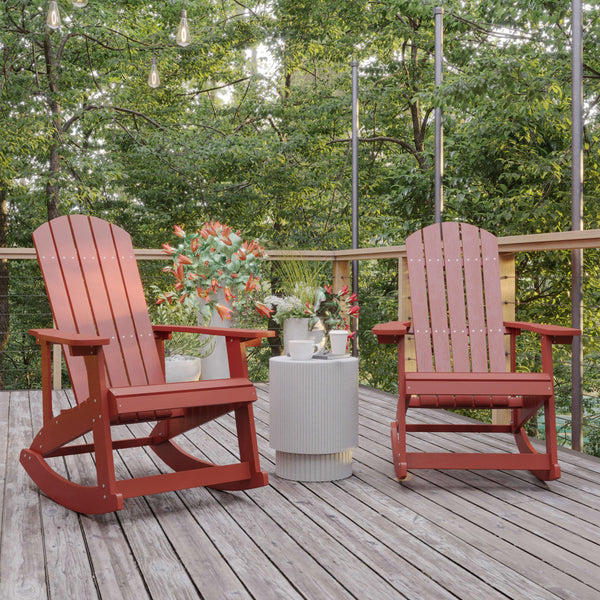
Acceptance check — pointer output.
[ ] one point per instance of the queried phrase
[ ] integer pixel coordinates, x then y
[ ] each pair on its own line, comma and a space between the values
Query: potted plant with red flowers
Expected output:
214, 268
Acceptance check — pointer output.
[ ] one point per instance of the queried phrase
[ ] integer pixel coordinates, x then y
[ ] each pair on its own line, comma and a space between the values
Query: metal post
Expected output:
438, 14
355, 134
577, 224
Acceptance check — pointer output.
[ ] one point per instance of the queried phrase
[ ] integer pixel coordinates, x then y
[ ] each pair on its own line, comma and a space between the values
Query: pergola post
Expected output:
577, 224
438, 14
355, 134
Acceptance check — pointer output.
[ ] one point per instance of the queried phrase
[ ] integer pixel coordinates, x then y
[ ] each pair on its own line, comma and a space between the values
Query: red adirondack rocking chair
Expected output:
115, 359
458, 330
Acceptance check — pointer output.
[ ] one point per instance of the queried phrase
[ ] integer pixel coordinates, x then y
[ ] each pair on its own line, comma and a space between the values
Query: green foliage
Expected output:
182, 344
28, 308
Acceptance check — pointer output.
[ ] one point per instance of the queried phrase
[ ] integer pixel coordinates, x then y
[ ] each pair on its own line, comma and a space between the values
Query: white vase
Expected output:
216, 364
182, 368
295, 328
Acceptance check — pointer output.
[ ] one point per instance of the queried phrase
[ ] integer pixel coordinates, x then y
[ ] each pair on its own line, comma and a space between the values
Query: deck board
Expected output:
452, 534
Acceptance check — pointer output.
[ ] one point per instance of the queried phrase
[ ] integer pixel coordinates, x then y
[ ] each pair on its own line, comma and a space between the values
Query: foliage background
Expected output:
251, 126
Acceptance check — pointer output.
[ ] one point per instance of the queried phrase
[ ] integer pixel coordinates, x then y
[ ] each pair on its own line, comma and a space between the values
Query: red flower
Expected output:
214, 284
353, 298
251, 284
344, 290
224, 312
354, 310
167, 249
228, 294
184, 260
178, 231
263, 309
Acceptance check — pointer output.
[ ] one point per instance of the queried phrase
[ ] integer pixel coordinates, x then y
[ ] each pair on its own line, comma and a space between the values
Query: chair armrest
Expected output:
391, 332
241, 334
558, 333
74, 340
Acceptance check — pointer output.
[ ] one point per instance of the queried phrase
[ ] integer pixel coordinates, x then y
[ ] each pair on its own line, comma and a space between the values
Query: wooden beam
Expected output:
558, 240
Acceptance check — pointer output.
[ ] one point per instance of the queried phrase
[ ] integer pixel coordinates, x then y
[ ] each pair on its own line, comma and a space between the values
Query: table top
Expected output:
313, 361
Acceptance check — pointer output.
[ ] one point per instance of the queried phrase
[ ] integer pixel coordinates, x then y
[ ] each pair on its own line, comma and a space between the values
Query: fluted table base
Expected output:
314, 417
313, 467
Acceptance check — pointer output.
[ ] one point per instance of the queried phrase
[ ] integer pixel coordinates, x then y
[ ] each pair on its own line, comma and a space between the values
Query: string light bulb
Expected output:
183, 33
80, 3
53, 18
153, 78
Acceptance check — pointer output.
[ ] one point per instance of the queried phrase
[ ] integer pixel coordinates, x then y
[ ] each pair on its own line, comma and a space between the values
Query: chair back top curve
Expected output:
456, 303
94, 287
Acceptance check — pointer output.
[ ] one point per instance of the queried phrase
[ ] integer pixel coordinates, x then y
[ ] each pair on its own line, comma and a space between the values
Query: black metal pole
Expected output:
355, 134
577, 224
438, 14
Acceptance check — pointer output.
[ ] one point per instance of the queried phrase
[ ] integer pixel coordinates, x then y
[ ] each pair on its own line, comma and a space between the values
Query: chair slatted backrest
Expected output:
454, 277
94, 287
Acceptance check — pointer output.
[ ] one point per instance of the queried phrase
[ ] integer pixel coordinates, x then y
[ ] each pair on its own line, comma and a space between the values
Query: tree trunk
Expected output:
52, 187
4, 307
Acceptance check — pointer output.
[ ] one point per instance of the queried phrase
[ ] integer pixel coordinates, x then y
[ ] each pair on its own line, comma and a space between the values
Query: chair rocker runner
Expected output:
115, 359
454, 279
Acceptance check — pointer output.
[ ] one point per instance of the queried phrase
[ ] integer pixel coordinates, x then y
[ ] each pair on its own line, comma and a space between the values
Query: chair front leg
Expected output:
398, 427
105, 467
46, 349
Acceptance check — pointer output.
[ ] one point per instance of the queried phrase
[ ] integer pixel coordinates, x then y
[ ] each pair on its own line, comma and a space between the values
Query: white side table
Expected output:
314, 417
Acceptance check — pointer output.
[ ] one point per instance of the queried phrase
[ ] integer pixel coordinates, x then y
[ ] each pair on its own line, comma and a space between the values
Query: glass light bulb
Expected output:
153, 78
183, 33
80, 3
53, 18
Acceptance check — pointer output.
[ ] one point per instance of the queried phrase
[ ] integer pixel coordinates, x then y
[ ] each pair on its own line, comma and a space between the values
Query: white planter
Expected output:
216, 364
182, 368
294, 329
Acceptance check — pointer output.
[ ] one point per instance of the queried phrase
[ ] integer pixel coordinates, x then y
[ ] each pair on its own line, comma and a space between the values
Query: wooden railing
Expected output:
342, 260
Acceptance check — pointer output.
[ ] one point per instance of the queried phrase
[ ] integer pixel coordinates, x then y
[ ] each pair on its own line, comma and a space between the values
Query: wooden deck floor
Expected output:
438, 535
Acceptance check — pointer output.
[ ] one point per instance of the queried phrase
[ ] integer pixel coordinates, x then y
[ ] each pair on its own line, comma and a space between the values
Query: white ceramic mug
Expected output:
302, 349
338, 338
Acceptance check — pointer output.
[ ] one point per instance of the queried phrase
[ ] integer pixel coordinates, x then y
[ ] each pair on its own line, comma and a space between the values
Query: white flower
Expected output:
285, 308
